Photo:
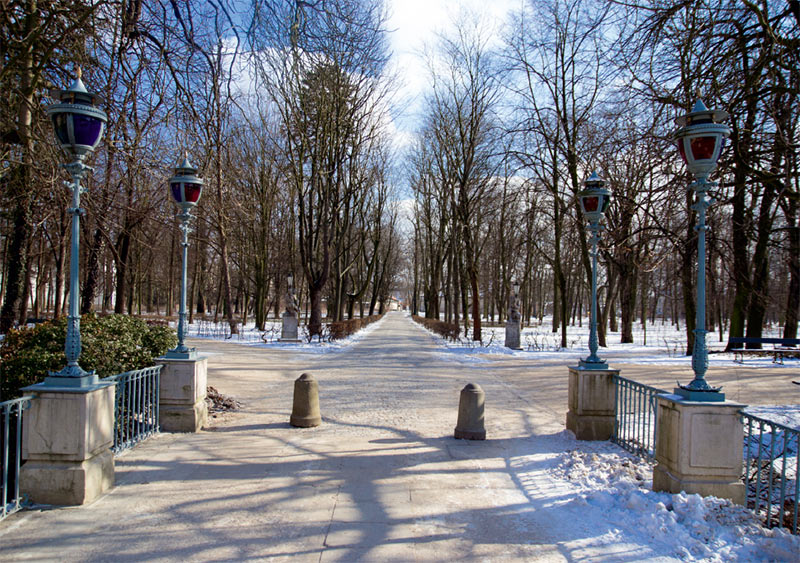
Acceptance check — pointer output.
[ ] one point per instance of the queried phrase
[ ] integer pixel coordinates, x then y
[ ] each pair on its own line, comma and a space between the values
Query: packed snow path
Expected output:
381, 480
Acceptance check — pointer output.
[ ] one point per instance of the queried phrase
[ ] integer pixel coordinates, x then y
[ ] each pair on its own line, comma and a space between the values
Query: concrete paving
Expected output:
382, 479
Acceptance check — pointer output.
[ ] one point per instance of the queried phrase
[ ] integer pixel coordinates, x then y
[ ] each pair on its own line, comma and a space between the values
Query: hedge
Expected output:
343, 329
449, 331
110, 344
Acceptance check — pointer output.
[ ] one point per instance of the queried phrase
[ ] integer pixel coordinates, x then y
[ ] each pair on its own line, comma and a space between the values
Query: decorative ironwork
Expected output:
635, 415
771, 468
11, 449
136, 406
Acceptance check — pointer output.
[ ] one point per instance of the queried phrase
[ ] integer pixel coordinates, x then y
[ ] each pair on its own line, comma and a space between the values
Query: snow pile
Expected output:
616, 489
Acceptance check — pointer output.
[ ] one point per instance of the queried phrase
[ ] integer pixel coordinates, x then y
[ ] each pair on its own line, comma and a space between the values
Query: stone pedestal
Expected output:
182, 394
513, 335
699, 448
591, 403
67, 439
289, 328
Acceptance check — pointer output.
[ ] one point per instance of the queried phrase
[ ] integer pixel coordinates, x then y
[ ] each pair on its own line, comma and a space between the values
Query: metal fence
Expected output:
771, 469
635, 417
136, 406
10, 445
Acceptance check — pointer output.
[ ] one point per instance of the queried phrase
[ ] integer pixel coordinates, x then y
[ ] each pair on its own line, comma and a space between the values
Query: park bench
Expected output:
780, 347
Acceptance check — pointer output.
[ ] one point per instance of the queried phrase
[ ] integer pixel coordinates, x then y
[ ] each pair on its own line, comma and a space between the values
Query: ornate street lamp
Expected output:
594, 200
79, 126
700, 140
186, 189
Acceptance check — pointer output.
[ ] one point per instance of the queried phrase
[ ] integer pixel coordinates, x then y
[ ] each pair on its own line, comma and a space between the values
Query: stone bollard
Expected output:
470, 414
305, 411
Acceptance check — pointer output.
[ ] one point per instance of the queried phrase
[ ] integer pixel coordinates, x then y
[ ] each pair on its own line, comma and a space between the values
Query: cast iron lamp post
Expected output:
185, 188
700, 139
594, 201
79, 126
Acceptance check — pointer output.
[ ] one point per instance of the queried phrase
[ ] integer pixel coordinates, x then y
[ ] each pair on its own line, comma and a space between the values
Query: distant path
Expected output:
381, 480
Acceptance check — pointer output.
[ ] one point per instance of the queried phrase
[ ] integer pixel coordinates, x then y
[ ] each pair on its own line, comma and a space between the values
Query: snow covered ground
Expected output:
600, 485
658, 344
249, 335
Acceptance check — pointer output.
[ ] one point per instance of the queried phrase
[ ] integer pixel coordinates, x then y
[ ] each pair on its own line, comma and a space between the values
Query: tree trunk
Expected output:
687, 276
123, 253
793, 262
760, 286
315, 318
92, 272
627, 299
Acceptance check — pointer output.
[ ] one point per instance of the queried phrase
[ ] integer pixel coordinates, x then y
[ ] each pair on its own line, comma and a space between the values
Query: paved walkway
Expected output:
381, 480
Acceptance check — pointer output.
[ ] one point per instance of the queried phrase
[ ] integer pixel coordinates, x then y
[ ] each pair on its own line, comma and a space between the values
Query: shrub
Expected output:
449, 331
343, 329
110, 344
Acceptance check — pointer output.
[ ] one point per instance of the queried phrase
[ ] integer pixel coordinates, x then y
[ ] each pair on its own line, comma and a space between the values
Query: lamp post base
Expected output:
86, 381
589, 364
185, 354
703, 395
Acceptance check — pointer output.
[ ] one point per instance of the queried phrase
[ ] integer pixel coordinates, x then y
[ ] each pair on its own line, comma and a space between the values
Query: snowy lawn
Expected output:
249, 335
658, 344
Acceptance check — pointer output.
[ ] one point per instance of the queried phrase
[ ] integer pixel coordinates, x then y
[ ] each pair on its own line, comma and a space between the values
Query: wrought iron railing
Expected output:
635, 417
771, 467
10, 446
136, 406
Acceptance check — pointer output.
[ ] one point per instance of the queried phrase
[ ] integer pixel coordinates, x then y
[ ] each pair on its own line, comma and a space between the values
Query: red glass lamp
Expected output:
701, 138
595, 198
185, 186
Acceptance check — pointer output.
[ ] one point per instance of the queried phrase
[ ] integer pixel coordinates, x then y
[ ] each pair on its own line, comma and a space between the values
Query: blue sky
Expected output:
413, 24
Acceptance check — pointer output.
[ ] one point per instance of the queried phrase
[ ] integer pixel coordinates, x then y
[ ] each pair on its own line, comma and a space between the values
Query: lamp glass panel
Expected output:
590, 204
192, 192
176, 191
87, 129
606, 203
703, 147
60, 126
682, 149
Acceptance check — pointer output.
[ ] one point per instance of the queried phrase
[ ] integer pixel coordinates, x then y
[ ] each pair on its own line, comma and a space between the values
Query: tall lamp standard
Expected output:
594, 200
79, 126
186, 189
700, 140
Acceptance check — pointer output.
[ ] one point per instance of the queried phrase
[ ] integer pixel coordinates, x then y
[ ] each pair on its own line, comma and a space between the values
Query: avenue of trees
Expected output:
514, 125
279, 105
284, 106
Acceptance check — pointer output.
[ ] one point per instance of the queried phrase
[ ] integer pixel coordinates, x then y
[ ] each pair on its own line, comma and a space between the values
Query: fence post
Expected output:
67, 438
182, 394
699, 448
591, 403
